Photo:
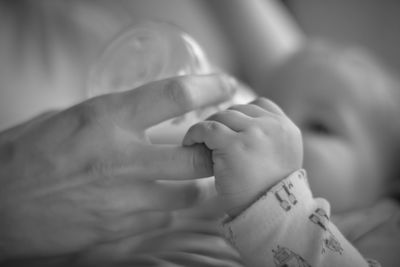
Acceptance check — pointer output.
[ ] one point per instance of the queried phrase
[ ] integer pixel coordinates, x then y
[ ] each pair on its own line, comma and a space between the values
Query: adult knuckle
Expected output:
176, 92
100, 169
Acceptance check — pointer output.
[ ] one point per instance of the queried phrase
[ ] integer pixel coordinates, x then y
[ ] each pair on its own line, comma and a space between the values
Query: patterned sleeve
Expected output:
288, 227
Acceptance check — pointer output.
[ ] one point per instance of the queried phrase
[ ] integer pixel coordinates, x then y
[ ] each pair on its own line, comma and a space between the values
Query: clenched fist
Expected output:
253, 147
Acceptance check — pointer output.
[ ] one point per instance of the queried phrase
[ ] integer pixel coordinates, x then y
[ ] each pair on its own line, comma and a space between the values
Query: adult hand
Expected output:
185, 243
89, 174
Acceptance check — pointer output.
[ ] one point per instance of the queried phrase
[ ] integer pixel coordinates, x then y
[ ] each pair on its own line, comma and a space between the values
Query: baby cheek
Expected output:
331, 167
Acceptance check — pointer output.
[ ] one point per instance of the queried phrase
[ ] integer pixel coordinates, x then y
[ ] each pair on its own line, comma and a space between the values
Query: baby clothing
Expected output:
288, 227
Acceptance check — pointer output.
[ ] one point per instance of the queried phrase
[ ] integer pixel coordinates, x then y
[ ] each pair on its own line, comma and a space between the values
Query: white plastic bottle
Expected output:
153, 51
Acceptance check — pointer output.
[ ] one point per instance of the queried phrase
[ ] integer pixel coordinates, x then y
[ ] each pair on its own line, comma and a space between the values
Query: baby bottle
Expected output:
153, 51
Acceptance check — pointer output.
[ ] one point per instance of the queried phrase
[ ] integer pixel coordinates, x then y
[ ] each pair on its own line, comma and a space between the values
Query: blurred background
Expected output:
48, 46
371, 23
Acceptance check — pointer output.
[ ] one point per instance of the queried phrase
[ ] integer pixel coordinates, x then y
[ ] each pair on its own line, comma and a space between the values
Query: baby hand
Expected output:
253, 147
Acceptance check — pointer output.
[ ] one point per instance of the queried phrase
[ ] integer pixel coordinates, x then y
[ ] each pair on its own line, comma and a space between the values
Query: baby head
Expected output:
347, 106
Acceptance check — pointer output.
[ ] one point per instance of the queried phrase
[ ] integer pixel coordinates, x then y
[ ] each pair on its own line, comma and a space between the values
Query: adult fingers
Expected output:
134, 224
268, 105
121, 199
157, 162
166, 162
158, 101
173, 195
212, 133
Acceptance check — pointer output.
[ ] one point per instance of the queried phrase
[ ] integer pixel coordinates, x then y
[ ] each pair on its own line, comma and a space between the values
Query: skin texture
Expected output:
89, 174
253, 147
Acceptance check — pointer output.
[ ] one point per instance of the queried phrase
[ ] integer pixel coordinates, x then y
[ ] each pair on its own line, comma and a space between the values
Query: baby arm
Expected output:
273, 218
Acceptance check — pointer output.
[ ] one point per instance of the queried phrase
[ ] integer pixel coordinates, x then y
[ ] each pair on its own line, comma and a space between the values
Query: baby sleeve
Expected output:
288, 227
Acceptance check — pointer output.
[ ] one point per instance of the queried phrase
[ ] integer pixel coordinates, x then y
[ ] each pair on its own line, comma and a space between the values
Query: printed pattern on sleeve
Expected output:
320, 218
288, 227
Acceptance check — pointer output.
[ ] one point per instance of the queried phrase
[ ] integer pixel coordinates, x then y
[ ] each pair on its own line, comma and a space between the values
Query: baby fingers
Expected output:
125, 198
233, 119
250, 110
213, 134
268, 105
